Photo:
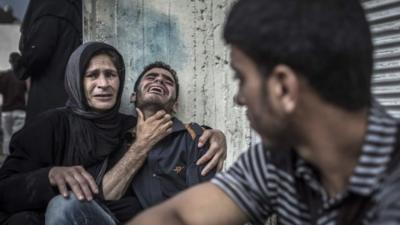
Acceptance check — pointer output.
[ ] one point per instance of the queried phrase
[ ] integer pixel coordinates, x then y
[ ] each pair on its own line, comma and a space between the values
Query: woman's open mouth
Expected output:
103, 97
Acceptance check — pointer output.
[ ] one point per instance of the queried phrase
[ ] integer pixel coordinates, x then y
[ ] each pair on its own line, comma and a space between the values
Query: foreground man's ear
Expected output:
285, 87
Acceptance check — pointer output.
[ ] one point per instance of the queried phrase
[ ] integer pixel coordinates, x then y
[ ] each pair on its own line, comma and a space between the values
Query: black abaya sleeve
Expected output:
39, 46
24, 182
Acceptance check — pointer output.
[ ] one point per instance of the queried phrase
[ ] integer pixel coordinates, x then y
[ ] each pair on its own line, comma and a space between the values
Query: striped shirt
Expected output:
264, 182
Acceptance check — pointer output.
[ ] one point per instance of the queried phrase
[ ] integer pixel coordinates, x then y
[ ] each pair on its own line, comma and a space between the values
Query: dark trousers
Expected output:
25, 218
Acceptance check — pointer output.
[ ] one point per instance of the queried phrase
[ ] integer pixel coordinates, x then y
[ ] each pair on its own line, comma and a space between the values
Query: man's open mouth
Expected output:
156, 90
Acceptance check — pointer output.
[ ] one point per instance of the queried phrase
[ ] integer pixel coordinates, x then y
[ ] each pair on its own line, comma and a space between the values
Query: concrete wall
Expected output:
9, 36
187, 35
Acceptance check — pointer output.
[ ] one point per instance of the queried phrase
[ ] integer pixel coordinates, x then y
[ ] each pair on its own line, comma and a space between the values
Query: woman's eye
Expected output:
111, 74
90, 75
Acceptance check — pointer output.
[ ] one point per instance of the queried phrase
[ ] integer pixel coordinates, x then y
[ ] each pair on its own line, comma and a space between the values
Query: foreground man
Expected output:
328, 150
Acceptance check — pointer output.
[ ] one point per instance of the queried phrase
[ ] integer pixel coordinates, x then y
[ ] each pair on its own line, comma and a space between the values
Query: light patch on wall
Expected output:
157, 37
146, 35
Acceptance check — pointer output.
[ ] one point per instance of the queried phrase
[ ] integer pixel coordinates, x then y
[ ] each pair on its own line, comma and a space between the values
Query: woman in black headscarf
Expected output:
78, 134
50, 32
94, 134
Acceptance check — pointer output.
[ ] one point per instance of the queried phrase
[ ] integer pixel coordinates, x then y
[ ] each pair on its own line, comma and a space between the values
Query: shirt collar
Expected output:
375, 154
177, 125
376, 151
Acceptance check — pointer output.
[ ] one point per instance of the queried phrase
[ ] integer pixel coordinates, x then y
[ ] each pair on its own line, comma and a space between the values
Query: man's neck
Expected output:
149, 111
331, 141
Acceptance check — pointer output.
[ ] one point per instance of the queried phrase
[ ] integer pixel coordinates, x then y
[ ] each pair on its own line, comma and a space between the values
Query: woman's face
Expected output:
101, 83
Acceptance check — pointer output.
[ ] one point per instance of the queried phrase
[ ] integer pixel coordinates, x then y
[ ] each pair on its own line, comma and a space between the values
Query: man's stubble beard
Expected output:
154, 103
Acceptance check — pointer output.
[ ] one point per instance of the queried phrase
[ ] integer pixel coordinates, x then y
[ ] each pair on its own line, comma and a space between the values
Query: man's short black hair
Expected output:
162, 65
326, 42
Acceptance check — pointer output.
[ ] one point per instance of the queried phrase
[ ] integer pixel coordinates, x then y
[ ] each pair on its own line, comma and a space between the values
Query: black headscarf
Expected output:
94, 135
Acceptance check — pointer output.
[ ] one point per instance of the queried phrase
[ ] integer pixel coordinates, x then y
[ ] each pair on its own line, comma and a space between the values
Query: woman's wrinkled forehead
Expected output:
112, 56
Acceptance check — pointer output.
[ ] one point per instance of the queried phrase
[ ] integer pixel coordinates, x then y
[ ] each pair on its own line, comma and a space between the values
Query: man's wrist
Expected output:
139, 147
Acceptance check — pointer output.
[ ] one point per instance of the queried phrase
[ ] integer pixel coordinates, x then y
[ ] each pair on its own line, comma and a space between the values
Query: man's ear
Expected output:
285, 87
133, 97
175, 107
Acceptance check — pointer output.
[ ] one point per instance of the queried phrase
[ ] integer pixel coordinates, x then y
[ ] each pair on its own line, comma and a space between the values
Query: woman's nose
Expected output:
102, 81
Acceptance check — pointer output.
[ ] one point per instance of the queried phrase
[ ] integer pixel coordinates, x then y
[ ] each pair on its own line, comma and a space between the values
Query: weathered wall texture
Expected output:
187, 35
9, 36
